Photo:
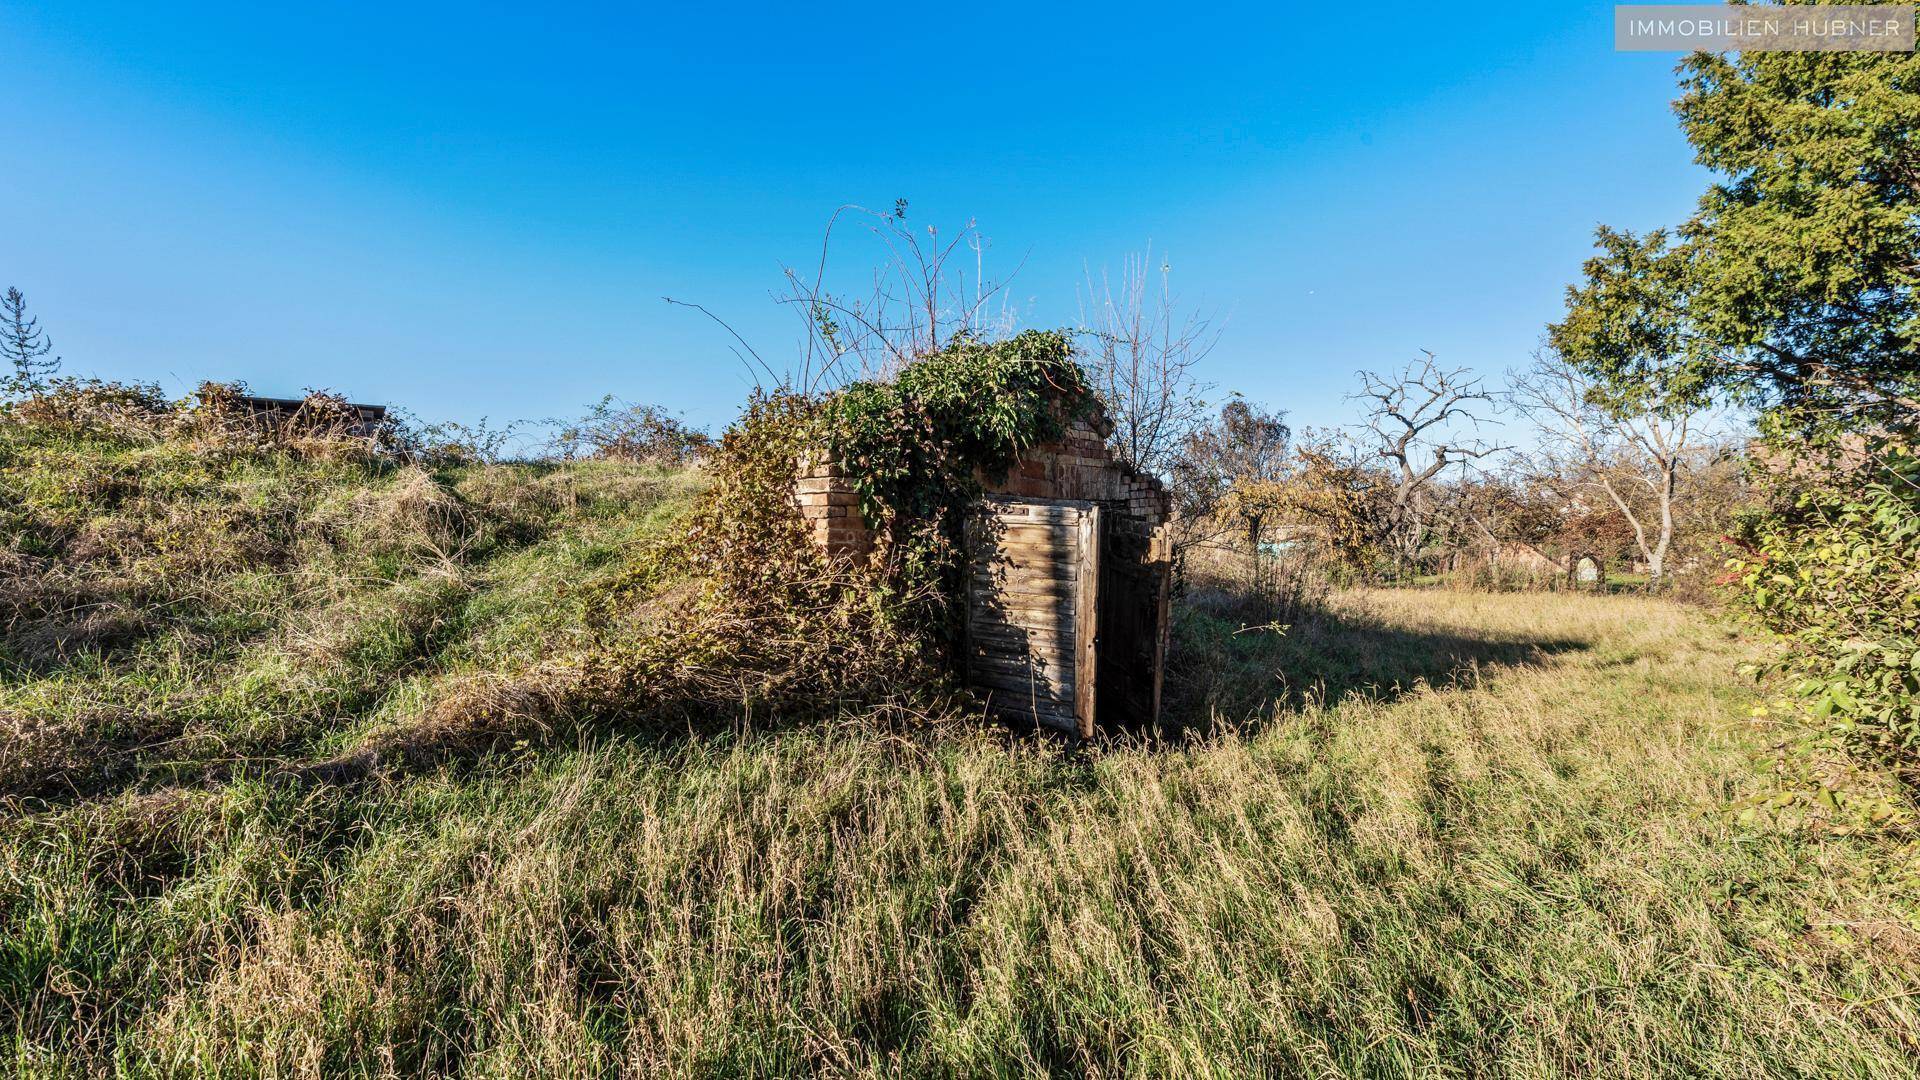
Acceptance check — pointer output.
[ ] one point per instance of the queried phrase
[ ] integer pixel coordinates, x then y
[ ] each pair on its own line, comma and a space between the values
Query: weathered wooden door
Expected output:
1033, 602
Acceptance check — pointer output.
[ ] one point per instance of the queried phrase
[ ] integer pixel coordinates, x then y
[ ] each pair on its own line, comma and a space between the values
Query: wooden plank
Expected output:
1032, 592
1026, 592
1049, 718
1056, 668
1009, 636
1162, 621
1032, 570
1030, 554
1012, 634
1030, 562
1046, 695
1055, 665
1024, 534
1087, 619
1040, 569
1019, 511
1049, 613
1028, 596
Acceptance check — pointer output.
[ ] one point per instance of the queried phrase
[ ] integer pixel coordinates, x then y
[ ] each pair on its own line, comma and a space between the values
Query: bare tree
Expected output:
1145, 349
1419, 419
23, 347
917, 298
1637, 460
1233, 469
914, 297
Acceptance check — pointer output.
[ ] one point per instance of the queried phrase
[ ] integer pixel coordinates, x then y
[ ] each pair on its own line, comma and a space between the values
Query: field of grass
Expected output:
1425, 833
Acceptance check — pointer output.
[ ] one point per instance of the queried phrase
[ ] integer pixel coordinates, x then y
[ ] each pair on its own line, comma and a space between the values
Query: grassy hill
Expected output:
278, 802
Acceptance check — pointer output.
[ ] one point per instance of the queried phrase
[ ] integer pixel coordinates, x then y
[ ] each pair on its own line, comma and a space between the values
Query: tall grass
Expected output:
1518, 869
1433, 832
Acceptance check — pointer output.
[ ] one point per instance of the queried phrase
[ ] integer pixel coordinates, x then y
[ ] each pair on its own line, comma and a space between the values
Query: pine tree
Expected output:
24, 346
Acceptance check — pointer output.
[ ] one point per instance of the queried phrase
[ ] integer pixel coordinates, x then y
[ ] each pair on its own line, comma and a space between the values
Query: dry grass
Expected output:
331, 805
1503, 859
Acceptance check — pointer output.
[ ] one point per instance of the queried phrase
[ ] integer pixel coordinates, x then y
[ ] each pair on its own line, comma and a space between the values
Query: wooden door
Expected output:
1033, 602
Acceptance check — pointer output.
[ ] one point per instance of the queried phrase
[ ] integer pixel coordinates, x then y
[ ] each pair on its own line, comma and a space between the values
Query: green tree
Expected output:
1795, 286
24, 347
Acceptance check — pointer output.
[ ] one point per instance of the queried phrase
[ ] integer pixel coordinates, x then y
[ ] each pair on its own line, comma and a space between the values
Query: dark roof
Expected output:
288, 405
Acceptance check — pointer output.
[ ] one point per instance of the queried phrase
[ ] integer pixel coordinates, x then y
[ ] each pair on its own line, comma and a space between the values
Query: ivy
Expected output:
915, 447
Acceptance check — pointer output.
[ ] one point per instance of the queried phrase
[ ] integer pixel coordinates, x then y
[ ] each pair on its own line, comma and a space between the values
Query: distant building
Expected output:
365, 421
1513, 556
315, 414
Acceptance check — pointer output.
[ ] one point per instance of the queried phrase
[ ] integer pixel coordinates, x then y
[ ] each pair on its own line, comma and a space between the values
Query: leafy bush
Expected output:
1835, 570
915, 447
613, 430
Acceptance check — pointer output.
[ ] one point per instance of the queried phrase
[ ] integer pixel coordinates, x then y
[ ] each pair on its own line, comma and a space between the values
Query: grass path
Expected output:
1514, 863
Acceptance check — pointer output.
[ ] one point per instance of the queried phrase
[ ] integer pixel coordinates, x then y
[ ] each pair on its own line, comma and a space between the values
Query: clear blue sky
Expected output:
473, 210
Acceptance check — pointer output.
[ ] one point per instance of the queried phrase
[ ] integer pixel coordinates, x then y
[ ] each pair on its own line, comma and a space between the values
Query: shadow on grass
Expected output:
1221, 670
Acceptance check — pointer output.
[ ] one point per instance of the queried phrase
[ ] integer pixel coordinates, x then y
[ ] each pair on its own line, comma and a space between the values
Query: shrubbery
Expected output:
1835, 570
764, 617
915, 446
613, 430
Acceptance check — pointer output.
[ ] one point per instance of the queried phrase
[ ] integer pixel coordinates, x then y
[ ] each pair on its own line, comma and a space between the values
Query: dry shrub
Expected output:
216, 419
325, 426
782, 624
416, 515
1257, 590
134, 412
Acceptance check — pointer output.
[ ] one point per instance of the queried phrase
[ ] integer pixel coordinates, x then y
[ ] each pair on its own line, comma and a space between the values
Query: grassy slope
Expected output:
1519, 869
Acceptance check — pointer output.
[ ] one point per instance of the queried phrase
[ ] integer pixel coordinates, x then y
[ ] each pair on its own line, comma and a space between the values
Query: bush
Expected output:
1834, 569
615, 431
915, 448
92, 407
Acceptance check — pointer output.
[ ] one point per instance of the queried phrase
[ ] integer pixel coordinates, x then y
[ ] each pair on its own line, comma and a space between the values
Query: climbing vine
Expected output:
772, 623
915, 447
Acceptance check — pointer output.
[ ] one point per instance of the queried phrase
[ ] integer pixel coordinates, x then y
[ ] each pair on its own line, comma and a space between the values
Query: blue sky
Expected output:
475, 210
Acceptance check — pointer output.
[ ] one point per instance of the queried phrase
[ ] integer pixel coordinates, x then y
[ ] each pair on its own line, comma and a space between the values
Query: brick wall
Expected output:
1077, 466
832, 508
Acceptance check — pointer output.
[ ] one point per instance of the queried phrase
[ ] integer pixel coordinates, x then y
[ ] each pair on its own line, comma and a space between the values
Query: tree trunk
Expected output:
1657, 558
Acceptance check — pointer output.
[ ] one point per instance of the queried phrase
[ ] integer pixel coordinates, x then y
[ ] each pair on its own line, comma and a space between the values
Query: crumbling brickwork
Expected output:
832, 507
1077, 466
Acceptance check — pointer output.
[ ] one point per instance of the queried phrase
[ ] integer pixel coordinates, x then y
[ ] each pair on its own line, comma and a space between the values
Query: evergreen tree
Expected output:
24, 347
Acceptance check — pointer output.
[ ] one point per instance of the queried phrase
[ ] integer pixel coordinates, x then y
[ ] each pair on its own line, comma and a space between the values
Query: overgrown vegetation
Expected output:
1795, 287
1837, 573
177, 604
915, 446
322, 760
1477, 834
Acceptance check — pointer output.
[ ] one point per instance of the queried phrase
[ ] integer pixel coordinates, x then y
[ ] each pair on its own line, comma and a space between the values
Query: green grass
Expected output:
1431, 833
